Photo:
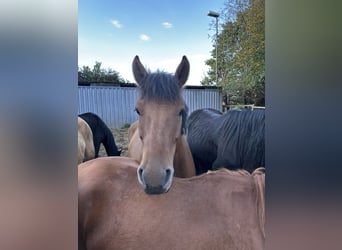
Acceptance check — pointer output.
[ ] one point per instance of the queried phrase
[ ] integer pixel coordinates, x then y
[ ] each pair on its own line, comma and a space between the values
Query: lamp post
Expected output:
216, 15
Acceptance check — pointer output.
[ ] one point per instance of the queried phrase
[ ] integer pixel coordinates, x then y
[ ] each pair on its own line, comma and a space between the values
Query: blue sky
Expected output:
160, 32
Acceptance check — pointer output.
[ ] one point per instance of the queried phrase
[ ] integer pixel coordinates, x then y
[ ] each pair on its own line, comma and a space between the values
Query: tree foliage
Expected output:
241, 52
98, 75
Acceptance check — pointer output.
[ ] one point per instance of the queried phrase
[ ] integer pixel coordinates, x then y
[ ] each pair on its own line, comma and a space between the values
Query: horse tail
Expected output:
109, 142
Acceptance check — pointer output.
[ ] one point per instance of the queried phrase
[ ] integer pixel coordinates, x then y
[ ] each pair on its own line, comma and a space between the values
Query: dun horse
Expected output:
157, 139
234, 140
101, 134
219, 210
85, 142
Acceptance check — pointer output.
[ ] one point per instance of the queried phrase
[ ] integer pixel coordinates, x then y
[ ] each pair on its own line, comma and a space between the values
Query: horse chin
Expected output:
155, 190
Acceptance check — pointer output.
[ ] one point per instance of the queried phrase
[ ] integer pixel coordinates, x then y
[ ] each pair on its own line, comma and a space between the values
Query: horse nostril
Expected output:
168, 173
140, 171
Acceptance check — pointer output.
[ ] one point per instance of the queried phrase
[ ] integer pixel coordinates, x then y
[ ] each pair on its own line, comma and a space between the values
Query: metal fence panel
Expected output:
203, 98
115, 104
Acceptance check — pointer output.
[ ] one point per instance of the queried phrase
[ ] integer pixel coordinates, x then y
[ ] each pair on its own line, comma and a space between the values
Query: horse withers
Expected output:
157, 140
219, 210
101, 134
234, 140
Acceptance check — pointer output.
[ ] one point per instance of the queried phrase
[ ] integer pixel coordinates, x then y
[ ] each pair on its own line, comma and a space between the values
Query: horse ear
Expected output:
139, 71
182, 72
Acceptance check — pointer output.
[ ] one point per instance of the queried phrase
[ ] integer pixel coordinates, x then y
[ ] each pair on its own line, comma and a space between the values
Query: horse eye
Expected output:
137, 110
181, 112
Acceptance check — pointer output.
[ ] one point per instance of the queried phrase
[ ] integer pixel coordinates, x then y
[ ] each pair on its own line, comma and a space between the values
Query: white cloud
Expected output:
144, 37
116, 23
167, 25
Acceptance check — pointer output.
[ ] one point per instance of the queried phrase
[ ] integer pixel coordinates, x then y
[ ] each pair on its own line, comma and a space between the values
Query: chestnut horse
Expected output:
86, 150
221, 209
157, 140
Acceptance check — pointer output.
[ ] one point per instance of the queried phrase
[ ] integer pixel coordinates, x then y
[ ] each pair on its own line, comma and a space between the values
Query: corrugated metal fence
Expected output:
115, 104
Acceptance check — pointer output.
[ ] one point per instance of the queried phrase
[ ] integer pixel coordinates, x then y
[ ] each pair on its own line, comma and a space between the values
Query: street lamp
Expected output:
216, 15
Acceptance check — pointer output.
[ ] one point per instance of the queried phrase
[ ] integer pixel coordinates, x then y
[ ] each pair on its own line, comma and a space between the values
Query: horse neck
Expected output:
183, 162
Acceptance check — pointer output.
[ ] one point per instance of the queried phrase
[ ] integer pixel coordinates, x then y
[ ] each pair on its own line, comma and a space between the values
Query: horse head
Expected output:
162, 112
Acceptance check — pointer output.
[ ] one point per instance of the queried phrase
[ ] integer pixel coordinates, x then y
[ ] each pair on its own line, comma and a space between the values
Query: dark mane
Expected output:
245, 132
234, 140
161, 87
184, 119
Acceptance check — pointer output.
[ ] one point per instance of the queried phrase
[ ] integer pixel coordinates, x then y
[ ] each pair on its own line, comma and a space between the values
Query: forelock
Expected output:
161, 87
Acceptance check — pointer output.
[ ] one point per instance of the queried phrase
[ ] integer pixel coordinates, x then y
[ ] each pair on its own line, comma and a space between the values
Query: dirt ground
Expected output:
121, 141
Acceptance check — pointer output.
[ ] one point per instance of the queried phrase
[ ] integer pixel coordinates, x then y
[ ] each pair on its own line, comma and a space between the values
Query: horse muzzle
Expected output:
155, 182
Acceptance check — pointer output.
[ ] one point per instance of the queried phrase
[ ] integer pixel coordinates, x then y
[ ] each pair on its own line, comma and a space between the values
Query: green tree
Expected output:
241, 52
97, 75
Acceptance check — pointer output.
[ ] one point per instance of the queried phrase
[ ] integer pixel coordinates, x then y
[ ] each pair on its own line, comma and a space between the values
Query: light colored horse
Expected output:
86, 150
157, 140
218, 210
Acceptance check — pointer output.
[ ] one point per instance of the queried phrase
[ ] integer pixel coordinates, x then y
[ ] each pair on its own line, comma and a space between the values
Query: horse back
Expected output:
115, 213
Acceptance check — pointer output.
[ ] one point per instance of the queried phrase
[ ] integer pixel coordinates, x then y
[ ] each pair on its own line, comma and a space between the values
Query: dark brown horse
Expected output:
218, 210
157, 140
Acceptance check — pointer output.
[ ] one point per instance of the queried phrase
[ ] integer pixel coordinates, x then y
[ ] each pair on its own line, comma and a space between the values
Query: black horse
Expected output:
234, 140
101, 134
